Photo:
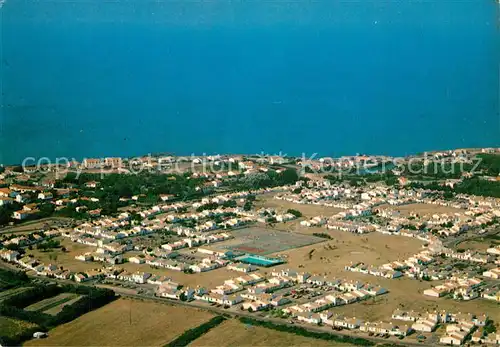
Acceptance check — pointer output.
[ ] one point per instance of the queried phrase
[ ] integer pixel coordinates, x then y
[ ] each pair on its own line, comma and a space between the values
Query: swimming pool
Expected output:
259, 260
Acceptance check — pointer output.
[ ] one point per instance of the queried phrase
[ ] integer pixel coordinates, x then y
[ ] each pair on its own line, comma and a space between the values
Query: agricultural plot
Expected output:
54, 304
11, 292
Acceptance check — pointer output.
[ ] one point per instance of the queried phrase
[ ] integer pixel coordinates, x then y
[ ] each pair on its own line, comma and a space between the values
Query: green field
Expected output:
10, 292
55, 303
11, 327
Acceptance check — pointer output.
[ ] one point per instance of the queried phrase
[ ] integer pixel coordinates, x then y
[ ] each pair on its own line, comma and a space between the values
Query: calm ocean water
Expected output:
100, 78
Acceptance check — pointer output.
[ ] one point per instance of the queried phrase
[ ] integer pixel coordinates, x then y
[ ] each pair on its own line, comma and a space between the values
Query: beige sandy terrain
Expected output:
207, 279
234, 333
126, 323
66, 259
333, 255
330, 257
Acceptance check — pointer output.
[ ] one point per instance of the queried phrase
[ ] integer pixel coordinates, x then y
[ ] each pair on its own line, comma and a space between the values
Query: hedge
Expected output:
307, 333
192, 334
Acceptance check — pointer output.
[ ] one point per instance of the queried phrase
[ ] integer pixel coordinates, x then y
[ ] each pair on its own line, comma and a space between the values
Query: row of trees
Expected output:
307, 333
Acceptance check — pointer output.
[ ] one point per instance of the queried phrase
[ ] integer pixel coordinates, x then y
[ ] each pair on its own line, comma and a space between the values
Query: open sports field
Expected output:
126, 323
264, 241
234, 333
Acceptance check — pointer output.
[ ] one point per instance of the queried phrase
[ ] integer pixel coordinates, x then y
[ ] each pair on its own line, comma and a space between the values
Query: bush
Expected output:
323, 235
296, 213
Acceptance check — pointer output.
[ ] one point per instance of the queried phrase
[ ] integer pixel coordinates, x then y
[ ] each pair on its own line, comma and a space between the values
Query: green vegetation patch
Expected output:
49, 303
192, 334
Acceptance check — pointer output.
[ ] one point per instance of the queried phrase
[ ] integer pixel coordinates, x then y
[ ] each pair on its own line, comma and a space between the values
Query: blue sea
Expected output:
90, 78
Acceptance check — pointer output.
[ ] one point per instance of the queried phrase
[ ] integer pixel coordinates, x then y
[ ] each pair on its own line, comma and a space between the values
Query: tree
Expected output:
247, 206
296, 213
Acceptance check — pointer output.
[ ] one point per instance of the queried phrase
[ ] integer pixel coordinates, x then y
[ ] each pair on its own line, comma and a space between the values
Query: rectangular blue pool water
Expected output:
259, 261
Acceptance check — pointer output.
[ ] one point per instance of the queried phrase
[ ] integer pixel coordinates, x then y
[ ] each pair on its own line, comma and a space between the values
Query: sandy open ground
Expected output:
66, 259
234, 333
126, 323
330, 257
207, 279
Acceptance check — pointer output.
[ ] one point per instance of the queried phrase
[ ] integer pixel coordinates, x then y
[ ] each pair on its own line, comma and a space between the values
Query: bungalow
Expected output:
494, 250
166, 197
246, 268
94, 213
425, 324
5, 192
90, 163
493, 273
140, 277
437, 292
455, 338
91, 184
375, 290
279, 300
21, 214
136, 260
308, 317
227, 288
228, 300
5, 201
45, 196
349, 323
409, 316
254, 306
9, 255
84, 257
